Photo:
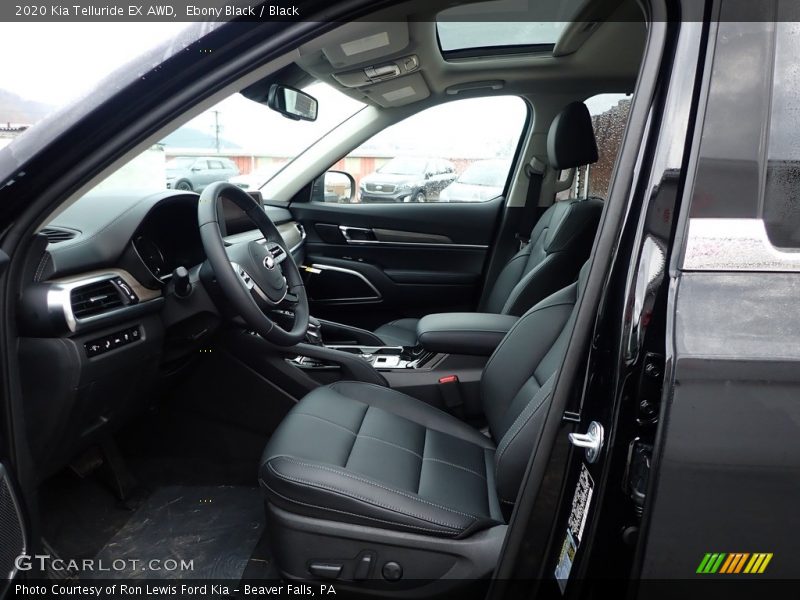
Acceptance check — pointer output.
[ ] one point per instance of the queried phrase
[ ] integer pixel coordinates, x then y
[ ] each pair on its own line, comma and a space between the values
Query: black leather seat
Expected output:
560, 241
357, 467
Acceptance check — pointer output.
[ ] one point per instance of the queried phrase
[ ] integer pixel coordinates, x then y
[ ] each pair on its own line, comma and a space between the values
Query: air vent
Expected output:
56, 235
94, 298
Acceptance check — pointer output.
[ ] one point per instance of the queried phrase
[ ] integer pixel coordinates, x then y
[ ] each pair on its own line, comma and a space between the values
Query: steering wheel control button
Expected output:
325, 570
392, 571
109, 342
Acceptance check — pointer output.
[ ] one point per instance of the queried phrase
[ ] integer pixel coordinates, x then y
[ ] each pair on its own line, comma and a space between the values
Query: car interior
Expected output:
301, 389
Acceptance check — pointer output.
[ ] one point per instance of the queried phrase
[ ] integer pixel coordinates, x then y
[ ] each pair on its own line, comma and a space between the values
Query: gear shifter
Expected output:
314, 332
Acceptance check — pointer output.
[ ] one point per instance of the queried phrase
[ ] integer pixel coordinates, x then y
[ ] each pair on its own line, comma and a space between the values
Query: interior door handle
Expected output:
357, 234
592, 441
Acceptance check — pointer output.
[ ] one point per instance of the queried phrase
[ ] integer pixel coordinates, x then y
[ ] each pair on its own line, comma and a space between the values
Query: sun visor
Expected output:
376, 41
398, 92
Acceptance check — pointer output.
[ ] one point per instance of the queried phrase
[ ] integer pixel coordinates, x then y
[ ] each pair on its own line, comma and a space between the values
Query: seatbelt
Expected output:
535, 170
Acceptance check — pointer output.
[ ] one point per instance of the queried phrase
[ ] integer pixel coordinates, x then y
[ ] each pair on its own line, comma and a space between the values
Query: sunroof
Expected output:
473, 35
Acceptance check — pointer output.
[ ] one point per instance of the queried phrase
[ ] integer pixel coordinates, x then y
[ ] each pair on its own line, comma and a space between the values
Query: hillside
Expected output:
20, 111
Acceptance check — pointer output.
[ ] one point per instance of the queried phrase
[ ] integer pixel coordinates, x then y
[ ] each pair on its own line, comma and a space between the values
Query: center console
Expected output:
443, 369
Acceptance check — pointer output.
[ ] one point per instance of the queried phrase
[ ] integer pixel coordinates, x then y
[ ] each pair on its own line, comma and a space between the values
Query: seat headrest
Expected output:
570, 141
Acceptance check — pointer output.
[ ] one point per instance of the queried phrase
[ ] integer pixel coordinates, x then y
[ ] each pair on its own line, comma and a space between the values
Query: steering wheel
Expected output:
255, 276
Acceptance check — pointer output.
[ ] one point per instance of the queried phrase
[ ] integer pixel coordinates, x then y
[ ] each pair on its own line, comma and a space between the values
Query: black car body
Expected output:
407, 179
667, 450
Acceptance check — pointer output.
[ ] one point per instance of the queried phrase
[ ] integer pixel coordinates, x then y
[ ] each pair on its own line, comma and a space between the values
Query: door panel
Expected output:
392, 253
13, 541
388, 261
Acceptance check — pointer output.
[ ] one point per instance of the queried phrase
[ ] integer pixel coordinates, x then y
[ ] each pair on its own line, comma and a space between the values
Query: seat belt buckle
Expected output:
451, 392
523, 240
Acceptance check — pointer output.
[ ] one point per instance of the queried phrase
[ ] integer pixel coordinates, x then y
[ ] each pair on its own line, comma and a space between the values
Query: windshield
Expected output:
489, 173
236, 138
404, 166
35, 82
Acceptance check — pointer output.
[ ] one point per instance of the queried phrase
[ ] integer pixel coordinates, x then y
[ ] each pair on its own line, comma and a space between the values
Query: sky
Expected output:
75, 56
54, 63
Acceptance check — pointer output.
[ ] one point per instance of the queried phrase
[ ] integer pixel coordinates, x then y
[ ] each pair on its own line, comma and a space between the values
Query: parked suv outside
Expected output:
195, 173
408, 179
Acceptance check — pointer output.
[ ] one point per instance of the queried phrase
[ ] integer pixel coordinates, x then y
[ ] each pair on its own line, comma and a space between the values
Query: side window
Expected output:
200, 164
609, 117
744, 213
468, 146
781, 206
215, 164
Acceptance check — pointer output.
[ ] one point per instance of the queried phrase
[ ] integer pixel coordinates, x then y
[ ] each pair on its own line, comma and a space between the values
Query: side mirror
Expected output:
292, 103
196, 169
334, 186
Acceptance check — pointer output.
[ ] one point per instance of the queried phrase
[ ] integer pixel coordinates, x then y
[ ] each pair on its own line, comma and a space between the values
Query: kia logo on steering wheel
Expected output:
269, 262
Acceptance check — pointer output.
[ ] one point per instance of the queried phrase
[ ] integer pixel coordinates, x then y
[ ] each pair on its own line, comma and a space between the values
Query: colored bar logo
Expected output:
734, 563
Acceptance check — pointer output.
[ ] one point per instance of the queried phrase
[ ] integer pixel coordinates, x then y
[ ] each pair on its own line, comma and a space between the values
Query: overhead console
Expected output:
377, 73
373, 60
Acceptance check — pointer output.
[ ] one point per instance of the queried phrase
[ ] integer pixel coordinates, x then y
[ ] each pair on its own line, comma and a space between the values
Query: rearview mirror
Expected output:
292, 103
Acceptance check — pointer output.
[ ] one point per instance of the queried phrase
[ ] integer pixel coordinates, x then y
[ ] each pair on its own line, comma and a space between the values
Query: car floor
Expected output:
197, 497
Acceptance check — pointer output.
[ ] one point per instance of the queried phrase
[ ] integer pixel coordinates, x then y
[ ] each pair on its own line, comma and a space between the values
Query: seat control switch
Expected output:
363, 566
325, 570
392, 571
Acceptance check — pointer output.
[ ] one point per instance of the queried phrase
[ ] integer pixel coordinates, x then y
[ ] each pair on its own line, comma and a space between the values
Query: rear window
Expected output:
781, 207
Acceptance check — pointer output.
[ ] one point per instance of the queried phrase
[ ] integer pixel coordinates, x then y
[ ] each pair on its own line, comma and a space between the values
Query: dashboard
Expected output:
169, 238
101, 326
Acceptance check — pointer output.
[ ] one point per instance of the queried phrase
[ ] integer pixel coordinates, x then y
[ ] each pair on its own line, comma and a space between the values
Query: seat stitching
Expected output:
335, 387
376, 484
524, 283
349, 494
358, 429
344, 512
521, 425
455, 466
447, 329
422, 464
528, 314
347, 429
377, 439
40, 269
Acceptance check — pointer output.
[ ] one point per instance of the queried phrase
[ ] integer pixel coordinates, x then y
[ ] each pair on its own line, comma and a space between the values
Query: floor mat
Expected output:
216, 528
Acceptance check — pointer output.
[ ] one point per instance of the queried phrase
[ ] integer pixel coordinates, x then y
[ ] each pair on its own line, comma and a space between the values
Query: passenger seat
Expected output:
560, 242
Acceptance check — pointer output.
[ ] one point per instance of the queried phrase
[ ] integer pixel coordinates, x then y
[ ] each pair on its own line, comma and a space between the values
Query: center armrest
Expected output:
463, 333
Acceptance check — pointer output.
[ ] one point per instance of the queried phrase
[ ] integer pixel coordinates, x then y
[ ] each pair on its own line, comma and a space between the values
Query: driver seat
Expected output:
364, 482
